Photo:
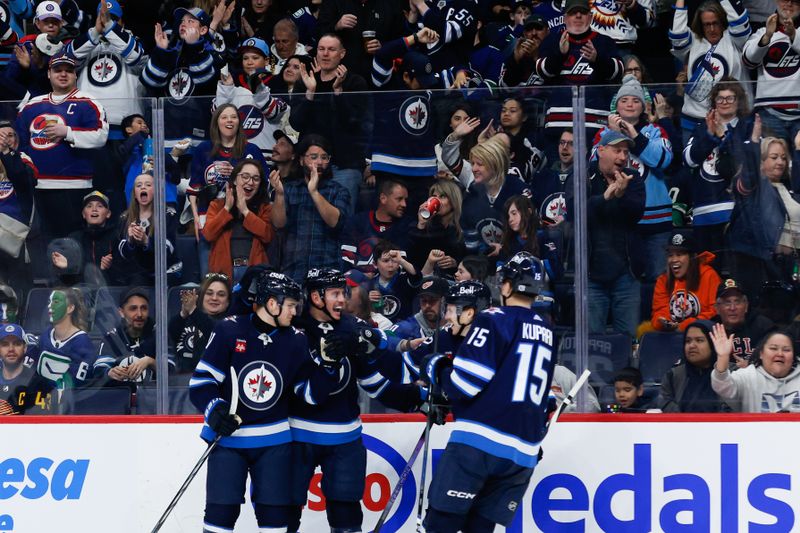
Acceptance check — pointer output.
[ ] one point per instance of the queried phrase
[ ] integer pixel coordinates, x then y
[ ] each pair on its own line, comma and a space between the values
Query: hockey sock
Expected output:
441, 522
294, 518
220, 518
344, 517
478, 524
273, 517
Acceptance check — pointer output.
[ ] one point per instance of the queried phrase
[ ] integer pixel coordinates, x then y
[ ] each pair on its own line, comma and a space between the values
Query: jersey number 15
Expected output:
531, 383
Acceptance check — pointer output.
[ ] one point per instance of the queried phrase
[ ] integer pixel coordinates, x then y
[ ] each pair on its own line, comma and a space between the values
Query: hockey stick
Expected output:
569, 399
204, 457
401, 481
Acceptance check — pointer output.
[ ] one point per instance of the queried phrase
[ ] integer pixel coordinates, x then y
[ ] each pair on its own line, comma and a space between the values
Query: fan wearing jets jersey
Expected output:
329, 434
497, 386
271, 359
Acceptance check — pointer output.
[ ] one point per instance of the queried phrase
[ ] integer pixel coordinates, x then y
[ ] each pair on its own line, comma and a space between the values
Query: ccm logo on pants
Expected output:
459, 494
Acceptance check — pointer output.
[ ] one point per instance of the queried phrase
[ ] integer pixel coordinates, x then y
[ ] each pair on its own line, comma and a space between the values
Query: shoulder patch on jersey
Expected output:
493, 311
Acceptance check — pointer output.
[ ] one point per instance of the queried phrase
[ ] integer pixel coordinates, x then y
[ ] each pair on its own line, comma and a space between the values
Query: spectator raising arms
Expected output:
238, 226
769, 385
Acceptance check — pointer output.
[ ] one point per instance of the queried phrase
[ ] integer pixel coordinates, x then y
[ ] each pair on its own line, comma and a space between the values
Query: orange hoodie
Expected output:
684, 306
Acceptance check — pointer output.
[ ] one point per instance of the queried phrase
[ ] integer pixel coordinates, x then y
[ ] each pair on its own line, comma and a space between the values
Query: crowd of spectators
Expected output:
408, 144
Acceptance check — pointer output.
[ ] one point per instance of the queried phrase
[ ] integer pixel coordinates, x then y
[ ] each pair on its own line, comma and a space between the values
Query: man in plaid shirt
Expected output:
312, 210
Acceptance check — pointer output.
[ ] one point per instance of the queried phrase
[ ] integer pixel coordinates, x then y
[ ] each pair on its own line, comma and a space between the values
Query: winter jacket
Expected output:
611, 225
686, 388
684, 306
759, 213
757, 390
218, 232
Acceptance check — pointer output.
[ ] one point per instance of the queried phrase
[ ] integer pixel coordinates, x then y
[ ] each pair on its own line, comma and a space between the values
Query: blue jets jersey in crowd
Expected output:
70, 360
456, 22
11, 26
269, 362
405, 144
499, 383
64, 163
336, 421
482, 218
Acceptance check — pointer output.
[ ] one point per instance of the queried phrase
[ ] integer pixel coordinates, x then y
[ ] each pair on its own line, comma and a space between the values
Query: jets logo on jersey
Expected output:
683, 304
125, 362
345, 372
180, 85
218, 42
390, 305
717, 66
604, 15
241, 346
39, 140
554, 206
414, 114
252, 120
577, 69
6, 189
104, 70
185, 344
260, 384
781, 61
709, 172
774, 403
490, 230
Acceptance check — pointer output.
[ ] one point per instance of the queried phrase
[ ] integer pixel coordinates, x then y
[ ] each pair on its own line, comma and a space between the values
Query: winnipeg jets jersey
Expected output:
499, 383
268, 362
335, 420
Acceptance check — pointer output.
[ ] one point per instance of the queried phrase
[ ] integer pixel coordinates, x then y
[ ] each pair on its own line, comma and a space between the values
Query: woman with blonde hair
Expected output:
436, 241
482, 212
764, 231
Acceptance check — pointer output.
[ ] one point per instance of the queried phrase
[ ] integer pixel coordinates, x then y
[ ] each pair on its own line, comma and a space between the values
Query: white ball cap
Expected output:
46, 46
48, 10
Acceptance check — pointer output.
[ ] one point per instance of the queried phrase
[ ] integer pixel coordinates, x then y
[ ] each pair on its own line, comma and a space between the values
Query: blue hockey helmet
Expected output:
525, 272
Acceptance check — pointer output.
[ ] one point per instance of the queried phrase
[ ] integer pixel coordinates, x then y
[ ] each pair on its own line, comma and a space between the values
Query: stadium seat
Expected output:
607, 355
179, 402
96, 401
186, 250
658, 352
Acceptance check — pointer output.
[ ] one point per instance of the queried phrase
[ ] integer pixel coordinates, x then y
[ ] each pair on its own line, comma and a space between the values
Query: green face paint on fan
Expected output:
57, 306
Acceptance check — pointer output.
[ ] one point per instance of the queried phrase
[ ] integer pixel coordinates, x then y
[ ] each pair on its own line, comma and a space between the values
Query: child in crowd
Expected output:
629, 390
392, 291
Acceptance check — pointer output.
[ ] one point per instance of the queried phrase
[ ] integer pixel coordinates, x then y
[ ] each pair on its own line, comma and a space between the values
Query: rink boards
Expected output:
599, 473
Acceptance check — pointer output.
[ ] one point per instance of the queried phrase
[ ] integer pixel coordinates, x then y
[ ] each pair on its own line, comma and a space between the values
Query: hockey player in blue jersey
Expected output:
498, 387
464, 301
270, 358
329, 434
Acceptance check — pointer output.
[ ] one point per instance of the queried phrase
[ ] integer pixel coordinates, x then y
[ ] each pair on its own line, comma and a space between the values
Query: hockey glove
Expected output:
337, 346
432, 367
437, 406
372, 339
220, 420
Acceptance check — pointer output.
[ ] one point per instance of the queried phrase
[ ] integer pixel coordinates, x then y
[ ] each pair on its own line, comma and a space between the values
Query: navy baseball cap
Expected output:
420, 68
195, 12
612, 137
62, 59
7, 330
254, 43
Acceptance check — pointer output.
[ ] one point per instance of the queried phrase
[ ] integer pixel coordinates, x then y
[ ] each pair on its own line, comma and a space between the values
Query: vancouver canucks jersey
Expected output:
69, 360
499, 383
336, 419
268, 362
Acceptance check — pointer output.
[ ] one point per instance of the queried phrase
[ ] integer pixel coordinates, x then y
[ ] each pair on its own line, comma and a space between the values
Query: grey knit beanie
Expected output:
631, 87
